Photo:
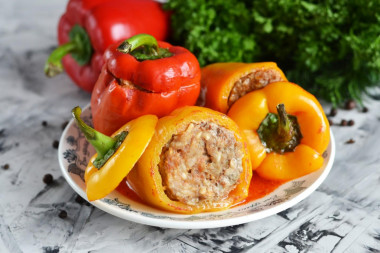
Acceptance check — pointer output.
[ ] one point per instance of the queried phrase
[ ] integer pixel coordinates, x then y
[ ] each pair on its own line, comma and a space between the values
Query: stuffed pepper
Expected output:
224, 83
197, 161
142, 76
286, 130
115, 155
88, 28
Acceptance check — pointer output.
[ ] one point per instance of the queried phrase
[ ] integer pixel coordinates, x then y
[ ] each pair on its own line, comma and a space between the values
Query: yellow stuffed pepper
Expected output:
197, 161
286, 130
224, 83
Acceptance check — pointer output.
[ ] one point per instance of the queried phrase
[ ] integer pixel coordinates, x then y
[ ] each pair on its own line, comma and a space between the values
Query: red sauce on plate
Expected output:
258, 188
127, 191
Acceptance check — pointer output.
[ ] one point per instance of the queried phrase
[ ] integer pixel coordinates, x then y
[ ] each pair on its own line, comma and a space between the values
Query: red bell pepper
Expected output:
89, 26
142, 77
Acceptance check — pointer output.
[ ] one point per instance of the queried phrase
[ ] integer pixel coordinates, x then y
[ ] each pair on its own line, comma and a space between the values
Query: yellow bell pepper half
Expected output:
102, 181
249, 113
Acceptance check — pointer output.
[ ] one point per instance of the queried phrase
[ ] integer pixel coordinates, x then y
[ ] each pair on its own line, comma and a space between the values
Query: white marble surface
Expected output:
343, 215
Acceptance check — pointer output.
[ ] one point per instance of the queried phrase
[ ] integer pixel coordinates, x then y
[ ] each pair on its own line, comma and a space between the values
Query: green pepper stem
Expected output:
53, 65
129, 45
79, 47
102, 143
284, 125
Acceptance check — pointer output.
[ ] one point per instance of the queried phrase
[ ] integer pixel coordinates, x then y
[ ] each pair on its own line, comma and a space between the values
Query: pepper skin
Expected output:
218, 80
249, 112
128, 88
116, 155
146, 179
105, 22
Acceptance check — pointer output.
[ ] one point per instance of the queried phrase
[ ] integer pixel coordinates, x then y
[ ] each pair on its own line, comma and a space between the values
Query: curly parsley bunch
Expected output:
332, 48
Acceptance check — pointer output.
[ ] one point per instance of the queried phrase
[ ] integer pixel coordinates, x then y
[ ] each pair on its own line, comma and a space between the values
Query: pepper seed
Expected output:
333, 112
62, 214
350, 141
350, 104
351, 122
343, 122
55, 144
5, 166
47, 179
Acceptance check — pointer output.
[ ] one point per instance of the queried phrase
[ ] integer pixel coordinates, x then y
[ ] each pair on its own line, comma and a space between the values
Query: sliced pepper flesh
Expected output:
250, 111
101, 182
146, 179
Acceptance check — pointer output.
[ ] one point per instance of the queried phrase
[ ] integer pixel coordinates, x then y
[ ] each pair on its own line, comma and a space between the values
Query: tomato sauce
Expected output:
258, 188
127, 191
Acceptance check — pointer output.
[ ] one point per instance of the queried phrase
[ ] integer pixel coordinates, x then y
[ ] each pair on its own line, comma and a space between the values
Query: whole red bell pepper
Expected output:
142, 76
88, 27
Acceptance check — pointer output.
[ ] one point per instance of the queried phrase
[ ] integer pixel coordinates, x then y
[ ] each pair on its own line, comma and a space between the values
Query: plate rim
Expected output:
177, 224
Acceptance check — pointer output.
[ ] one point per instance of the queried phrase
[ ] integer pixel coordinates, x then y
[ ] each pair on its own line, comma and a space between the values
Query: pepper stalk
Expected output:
143, 47
79, 47
280, 132
104, 145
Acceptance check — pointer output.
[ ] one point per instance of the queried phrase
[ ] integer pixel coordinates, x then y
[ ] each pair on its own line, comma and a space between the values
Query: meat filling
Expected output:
130, 85
255, 80
203, 163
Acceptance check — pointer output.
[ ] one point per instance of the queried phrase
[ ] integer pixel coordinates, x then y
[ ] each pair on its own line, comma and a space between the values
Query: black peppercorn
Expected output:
365, 109
343, 122
62, 214
351, 122
64, 124
5, 166
350, 141
79, 199
331, 122
333, 112
44, 123
350, 104
48, 179
55, 144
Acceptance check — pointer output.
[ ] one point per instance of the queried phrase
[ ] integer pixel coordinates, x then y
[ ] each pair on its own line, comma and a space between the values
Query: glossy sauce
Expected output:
258, 188
127, 191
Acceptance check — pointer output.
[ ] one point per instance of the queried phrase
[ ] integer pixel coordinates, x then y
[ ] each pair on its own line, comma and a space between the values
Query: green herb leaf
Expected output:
332, 48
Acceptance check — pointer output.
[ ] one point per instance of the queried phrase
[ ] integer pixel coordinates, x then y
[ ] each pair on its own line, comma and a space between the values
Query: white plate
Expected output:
74, 153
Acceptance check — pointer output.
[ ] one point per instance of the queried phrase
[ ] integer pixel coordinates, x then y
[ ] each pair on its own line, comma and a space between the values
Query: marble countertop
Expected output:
342, 215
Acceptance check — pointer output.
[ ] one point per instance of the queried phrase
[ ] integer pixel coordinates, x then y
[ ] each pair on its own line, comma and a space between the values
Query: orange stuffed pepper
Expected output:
197, 161
224, 83
286, 130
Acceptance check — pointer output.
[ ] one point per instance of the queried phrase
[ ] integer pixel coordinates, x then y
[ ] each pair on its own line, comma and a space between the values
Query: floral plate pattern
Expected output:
74, 153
